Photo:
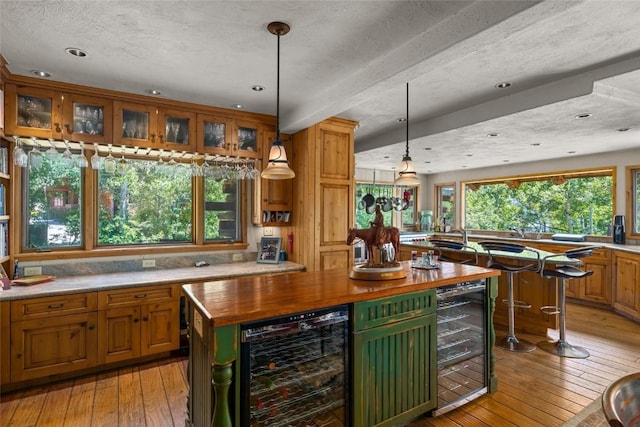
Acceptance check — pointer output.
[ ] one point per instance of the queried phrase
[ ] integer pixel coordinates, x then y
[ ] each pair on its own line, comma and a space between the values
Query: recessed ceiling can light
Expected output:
505, 161
427, 148
401, 119
257, 88
469, 155
427, 161
76, 52
40, 73
153, 92
571, 152
493, 134
386, 157
583, 115
535, 144
624, 129
503, 85
464, 166
237, 106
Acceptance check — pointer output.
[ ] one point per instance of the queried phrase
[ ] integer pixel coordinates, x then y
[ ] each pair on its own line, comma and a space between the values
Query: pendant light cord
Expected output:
407, 145
278, 91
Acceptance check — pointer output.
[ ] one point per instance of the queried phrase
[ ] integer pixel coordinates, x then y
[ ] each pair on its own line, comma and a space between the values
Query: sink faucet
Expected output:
519, 231
463, 232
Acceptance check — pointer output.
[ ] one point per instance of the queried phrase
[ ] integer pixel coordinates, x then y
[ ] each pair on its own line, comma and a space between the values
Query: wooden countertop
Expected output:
100, 282
246, 299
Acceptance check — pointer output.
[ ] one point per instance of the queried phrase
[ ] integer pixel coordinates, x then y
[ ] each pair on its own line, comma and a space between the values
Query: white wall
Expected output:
619, 159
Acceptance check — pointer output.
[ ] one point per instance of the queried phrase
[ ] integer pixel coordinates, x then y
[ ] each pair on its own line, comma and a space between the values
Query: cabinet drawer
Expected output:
383, 311
61, 305
138, 295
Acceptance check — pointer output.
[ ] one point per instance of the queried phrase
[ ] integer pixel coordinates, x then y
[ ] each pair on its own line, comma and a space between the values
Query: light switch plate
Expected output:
147, 263
267, 231
32, 271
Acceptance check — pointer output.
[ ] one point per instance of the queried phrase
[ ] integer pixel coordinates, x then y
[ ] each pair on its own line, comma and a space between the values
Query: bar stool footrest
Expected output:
516, 303
550, 309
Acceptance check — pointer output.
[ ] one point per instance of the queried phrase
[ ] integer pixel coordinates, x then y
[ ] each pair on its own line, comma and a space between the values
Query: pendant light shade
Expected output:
278, 165
407, 173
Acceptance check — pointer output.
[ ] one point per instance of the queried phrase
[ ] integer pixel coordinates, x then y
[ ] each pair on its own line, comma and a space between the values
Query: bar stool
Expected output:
470, 254
562, 272
513, 250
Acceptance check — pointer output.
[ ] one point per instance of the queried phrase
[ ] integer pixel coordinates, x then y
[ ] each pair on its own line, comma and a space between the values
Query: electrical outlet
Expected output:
267, 231
237, 257
32, 271
148, 263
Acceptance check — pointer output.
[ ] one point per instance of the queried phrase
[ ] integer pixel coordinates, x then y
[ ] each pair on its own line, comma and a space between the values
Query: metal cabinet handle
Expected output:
136, 320
140, 296
145, 319
57, 125
53, 307
153, 137
68, 128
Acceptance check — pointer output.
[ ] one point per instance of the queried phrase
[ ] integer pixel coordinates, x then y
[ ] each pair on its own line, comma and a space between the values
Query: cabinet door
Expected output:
247, 140
160, 327
597, 287
135, 124
176, 129
119, 334
394, 372
44, 347
214, 134
87, 118
627, 290
33, 112
5, 343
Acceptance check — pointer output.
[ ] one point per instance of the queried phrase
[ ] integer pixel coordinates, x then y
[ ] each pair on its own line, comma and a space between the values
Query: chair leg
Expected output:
511, 342
562, 347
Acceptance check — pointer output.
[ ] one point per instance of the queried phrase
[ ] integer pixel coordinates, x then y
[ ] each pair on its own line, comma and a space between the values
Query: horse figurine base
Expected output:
365, 272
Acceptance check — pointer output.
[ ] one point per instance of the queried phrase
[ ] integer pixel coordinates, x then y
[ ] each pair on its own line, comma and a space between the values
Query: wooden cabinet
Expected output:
225, 136
626, 297
323, 194
47, 113
53, 335
5, 342
136, 322
145, 125
394, 378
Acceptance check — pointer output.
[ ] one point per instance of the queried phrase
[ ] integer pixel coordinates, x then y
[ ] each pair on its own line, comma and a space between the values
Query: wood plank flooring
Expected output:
535, 389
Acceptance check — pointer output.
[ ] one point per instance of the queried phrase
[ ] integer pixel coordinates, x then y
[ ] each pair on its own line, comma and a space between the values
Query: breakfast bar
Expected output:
218, 310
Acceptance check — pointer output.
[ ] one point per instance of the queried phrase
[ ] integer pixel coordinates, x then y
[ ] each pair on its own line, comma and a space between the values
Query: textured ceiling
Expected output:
352, 59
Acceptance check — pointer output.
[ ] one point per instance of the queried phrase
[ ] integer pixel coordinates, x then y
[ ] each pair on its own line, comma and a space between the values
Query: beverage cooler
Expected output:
461, 333
295, 370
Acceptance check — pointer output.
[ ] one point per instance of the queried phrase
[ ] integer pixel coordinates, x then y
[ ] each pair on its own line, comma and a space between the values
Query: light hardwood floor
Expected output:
535, 389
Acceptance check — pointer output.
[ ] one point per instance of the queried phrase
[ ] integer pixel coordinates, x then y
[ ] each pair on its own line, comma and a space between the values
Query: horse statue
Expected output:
377, 236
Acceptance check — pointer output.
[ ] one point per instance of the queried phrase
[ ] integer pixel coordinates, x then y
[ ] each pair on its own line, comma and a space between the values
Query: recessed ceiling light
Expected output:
427, 148
257, 88
427, 161
76, 52
583, 115
237, 106
571, 152
386, 157
464, 166
535, 144
503, 85
505, 161
623, 129
469, 155
401, 119
493, 135
153, 92
40, 73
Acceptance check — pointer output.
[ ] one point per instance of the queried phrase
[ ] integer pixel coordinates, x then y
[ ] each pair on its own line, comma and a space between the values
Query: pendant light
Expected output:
278, 166
407, 174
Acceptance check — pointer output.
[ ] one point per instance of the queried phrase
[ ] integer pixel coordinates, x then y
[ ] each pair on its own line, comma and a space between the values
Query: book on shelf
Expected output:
4, 239
3, 210
4, 160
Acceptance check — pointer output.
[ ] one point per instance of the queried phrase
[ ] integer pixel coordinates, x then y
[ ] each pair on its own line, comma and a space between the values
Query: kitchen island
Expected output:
216, 311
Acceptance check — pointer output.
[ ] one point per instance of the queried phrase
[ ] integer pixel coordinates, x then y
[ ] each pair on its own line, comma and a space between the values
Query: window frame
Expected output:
438, 200
632, 201
396, 216
547, 176
89, 248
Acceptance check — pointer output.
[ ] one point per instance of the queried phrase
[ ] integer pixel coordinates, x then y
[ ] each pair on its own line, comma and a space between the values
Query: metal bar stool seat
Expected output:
470, 253
562, 273
508, 249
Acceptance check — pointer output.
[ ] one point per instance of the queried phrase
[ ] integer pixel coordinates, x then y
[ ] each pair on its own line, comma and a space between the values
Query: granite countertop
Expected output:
99, 282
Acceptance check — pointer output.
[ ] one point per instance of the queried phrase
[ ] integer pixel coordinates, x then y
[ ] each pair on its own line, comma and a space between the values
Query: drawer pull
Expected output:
54, 307
141, 296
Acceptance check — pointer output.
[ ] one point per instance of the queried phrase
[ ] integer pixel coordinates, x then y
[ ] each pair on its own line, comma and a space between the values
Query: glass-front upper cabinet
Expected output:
33, 112
228, 137
135, 124
87, 118
176, 129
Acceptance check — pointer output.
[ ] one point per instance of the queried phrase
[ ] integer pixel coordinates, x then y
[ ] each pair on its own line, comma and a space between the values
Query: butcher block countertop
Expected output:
100, 282
247, 299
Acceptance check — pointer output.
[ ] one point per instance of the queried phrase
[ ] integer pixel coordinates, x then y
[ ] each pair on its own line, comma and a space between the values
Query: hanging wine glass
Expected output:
67, 156
160, 164
20, 158
95, 159
253, 171
80, 159
196, 169
109, 162
35, 155
122, 163
52, 153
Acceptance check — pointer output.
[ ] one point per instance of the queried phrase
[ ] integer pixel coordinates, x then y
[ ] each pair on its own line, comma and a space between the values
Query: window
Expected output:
144, 202
222, 197
409, 215
52, 202
573, 202
445, 205
633, 200
366, 197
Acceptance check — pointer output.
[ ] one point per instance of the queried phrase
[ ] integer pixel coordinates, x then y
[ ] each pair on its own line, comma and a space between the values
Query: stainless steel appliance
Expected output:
461, 331
295, 370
